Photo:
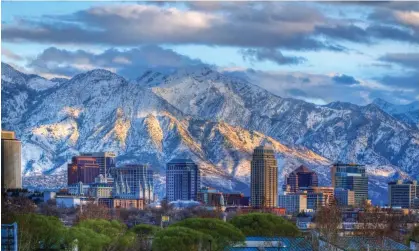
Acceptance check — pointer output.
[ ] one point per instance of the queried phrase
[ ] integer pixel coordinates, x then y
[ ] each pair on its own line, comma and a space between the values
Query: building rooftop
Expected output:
302, 169
371, 243
285, 243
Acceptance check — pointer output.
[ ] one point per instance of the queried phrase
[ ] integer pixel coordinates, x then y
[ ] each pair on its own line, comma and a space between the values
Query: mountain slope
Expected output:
408, 113
101, 111
337, 131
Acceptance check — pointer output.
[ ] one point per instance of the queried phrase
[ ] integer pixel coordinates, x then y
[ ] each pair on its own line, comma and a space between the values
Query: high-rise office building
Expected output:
11, 157
302, 177
105, 160
352, 177
134, 181
344, 197
183, 180
402, 194
82, 169
264, 178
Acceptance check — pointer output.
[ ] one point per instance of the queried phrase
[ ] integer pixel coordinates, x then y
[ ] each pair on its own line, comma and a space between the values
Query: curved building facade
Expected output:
11, 157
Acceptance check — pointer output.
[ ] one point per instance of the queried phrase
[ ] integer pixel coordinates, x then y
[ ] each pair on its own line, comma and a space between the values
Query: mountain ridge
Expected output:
217, 125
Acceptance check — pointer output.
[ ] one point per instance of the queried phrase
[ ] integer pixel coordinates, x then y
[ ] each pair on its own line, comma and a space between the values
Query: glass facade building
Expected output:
352, 177
183, 180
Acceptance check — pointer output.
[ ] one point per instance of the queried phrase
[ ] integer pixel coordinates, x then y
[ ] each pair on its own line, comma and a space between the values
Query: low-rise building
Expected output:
293, 202
344, 197
128, 203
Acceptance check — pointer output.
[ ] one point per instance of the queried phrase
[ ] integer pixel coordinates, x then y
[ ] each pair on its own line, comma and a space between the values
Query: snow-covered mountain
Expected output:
337, 131
408, 113
216, 120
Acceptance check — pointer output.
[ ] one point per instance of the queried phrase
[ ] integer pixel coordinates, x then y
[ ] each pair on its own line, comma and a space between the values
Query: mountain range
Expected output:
214, 118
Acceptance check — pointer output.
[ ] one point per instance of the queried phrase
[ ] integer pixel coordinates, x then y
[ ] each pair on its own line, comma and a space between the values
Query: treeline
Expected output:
96, 230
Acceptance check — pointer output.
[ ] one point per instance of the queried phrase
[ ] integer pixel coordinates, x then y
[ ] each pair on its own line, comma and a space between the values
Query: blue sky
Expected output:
353, 52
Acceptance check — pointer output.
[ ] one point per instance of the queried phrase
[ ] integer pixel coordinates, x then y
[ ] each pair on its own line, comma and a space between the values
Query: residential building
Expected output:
352, 177
300, 178
82, 169
11, 157
134, 182
402, 194
264, 178
105, 160
344, 197
293, 202
183, 180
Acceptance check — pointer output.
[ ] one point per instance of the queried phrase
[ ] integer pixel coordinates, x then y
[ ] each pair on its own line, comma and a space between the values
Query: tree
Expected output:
13, 206
86, 239
92, 211
328, 220
116, 233
181, 239
143, 234
37, 231
224, 234
263, 224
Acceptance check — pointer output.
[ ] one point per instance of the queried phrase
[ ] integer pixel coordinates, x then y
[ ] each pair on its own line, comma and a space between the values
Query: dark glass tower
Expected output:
183, 180
352, 177
302, 177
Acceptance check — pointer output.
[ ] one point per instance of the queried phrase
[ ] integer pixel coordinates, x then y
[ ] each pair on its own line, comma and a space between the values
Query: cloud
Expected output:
405, 59
125, 62
272, 55
242, 25
345, 79
10, 55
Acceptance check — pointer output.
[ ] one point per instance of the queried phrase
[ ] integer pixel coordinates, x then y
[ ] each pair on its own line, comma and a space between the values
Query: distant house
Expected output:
257, 243
346, 243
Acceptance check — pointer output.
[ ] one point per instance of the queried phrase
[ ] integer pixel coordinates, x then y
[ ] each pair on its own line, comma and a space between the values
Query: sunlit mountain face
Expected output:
213, 118
320, 81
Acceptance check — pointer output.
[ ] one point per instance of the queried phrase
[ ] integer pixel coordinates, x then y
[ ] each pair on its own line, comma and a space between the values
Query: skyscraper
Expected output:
352, 177
105, 160
134, 181
264, 178
11, 155
82, 169
401, 194
183, 180
302, 177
